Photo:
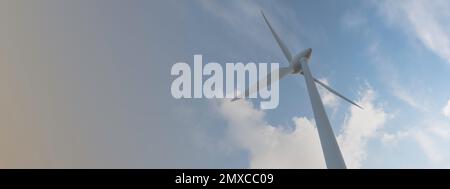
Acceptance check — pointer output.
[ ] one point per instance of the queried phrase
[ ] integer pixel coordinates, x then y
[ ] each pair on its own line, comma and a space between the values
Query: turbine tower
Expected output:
299, 65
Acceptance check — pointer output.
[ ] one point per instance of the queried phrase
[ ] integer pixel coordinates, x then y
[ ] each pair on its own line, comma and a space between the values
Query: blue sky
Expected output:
86, 84
396, 50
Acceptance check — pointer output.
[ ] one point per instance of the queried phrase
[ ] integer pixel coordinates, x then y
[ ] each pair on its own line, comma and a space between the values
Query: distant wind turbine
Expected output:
299, 65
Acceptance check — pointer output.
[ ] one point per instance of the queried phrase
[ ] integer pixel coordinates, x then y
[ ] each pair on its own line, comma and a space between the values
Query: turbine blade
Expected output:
267, 81
336, 93
283, 47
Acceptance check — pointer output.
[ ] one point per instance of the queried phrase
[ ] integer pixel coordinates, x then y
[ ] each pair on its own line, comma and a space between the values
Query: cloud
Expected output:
426, 20
272, 146
238, 15
355, 20
431, 136
359, 127
244, 18
428, 146
328, 98
388, 73
407, 97
446, 109
389, 139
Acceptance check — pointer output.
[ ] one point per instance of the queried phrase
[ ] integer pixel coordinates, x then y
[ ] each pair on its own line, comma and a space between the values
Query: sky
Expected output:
86, 84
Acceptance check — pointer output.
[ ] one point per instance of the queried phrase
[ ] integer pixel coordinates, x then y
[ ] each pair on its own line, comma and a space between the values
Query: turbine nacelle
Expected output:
295, 63
306, 53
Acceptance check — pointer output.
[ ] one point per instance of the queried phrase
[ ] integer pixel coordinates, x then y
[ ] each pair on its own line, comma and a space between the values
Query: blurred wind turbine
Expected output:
299, 65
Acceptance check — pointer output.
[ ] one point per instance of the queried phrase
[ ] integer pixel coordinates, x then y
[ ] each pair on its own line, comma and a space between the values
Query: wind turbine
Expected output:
299, 65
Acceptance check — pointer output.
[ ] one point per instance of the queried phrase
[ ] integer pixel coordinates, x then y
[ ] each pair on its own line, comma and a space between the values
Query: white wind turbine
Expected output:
299, 65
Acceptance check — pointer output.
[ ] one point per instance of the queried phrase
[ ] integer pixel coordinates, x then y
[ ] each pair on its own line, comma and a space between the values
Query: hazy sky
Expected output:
87, 83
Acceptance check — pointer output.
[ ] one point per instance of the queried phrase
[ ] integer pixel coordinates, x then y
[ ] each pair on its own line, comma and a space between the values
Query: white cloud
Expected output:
388, 138
428, 145
244, 18
271, 146
238, 15
446, 109
393, 138
355, 20
428, 21
407, 97
432, 137
359, 127
389, 75
328, 98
